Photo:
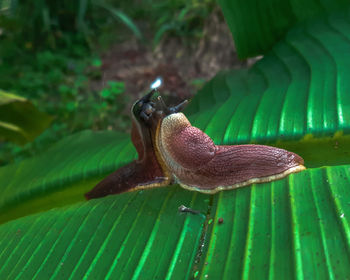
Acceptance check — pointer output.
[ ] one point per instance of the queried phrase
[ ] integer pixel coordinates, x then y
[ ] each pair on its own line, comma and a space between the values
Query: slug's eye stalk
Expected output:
179, 107
171, 110
148, 96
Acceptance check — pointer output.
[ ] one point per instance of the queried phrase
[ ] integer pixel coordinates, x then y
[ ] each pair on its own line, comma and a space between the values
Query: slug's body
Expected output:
170, 149
198, 164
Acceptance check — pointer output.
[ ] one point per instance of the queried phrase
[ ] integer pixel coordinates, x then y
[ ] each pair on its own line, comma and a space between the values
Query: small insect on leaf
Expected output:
184, 209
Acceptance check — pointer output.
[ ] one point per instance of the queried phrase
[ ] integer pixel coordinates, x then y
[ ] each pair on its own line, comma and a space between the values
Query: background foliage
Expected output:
50, 54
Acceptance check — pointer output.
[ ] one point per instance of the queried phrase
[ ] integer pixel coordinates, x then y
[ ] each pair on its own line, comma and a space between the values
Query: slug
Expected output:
171, 150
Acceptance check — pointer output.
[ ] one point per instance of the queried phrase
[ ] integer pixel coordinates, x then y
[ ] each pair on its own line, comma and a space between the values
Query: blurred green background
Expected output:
74, 65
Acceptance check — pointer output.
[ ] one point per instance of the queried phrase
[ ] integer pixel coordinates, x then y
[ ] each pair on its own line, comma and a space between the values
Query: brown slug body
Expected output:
170, 149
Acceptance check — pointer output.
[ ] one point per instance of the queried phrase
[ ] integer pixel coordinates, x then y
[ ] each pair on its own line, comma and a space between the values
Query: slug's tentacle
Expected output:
163, 106
178, 108
171, 110
145, 99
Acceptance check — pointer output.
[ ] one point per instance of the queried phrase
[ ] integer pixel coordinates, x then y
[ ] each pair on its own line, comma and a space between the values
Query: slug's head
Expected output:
144, 108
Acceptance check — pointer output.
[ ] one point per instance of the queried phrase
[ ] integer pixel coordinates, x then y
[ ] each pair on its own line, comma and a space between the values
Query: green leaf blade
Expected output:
256, 26
102, 237
289, 226
70, 168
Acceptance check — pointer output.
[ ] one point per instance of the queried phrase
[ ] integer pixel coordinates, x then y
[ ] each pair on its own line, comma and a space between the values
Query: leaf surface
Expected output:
117, 235
292, 228
20, 121
257, 26
63, 173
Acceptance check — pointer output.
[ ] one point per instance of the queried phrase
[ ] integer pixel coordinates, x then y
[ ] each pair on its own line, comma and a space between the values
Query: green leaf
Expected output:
160, 32
114, 89
83, 6
289, 229
124, 18
62, 174
20, 121
96, 62
257, 25
120, 235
